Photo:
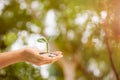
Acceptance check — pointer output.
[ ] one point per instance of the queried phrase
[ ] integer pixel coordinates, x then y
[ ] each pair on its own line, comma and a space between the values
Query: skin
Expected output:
27, 54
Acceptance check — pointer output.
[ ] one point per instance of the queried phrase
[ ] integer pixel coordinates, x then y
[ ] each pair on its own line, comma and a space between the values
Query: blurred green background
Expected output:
86, 31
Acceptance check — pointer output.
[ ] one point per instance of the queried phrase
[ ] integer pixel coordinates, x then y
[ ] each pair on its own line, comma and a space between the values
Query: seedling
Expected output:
44, 40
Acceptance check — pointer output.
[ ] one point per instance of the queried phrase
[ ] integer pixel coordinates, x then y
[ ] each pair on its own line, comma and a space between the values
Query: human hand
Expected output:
32, 55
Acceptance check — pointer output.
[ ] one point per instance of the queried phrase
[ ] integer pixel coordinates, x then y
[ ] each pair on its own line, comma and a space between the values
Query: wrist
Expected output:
20, 56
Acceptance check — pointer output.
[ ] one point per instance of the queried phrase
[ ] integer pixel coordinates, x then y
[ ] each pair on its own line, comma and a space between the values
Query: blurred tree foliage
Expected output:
81, 30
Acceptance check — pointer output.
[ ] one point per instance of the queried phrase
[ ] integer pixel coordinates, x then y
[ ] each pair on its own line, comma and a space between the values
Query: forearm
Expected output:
8, 58
28, 54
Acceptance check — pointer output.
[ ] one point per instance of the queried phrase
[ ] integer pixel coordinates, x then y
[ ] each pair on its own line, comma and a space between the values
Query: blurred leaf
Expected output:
10, 38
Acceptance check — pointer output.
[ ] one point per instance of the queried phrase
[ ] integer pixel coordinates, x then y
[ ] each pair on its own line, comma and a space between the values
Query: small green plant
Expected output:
44, 40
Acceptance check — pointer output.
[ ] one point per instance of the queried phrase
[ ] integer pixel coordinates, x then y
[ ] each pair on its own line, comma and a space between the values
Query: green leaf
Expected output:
42, 40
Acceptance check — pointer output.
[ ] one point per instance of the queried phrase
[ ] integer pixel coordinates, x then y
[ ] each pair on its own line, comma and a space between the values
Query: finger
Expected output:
58, 52
44, 57
50, 56
56, 58
45, 62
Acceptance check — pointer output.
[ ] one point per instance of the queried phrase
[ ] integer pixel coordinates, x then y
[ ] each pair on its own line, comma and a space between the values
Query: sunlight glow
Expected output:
35, 4
44, 72
2, 4
81, 19
95, 19
29, 39
93, 67
70, 35
98, 43
87, 33
103, 14
50, 24
34, 28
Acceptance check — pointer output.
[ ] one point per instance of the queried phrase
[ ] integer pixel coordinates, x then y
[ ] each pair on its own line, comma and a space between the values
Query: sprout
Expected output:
44, 40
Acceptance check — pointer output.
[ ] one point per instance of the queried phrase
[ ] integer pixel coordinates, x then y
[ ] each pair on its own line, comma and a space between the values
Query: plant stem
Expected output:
47, 46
